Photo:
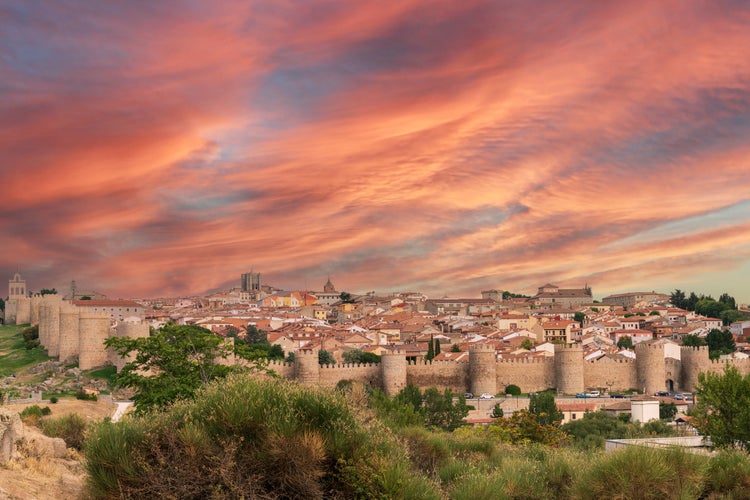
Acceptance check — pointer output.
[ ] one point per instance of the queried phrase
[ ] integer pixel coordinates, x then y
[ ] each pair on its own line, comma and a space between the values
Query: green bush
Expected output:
640, 472
53, 400
728, 474
85, 396
513, 390
32, 411
71, 428
253, 438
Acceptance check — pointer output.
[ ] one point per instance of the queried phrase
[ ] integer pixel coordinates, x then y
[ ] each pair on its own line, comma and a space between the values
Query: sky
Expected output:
163, 148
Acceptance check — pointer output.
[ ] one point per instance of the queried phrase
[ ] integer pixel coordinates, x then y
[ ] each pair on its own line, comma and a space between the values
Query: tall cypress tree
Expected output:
430, 350
437, 347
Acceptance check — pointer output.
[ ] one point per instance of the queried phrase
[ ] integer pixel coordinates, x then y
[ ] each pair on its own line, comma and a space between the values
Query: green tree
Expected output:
677, 298
325, 358
625, 342
579, 317
513, 390
2, 304
346, 298
441, 411
542, 404
360, 356
437, 347
527, 344
455, 348
729, 316
667, 411
171, 364
720, 342
47, 291
722, 410
692, 340
255, 336
430, 350
654, 313
410, 395
710, 307
728, 301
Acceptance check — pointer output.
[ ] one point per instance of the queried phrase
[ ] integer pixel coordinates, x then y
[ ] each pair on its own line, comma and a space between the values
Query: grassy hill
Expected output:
15, 359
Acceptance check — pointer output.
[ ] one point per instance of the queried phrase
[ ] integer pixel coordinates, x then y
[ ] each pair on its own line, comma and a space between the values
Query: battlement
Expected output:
568, 347
642, 346
733, 362
626, 361
307, 352
443, 362
348, 365
481, 348
688, 348
278, 363
396, 352
526, 360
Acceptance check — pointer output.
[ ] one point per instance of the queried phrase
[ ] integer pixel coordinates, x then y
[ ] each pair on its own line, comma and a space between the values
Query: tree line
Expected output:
725, 308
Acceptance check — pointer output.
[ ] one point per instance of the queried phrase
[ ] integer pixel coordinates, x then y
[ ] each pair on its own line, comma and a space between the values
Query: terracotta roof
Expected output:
106, 303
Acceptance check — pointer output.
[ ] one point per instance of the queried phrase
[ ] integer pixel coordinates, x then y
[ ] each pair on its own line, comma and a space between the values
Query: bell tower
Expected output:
16, 287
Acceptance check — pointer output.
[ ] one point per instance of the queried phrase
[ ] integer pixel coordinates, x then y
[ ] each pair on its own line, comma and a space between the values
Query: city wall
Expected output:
568, 373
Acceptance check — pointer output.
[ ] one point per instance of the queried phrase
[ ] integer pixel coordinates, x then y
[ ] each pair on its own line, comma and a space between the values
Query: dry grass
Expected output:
42, 478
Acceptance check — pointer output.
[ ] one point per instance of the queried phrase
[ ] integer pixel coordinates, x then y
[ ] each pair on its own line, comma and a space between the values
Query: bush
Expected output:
513, 390
71, 428
53, 400
248, 437
729, 474
639, 472
85, 396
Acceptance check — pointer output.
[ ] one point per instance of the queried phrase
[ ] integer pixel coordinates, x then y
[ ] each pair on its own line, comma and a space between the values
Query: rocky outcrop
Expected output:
11, 430
15, 439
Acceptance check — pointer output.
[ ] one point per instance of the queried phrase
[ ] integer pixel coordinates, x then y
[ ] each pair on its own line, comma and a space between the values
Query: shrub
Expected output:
71, 428
513, 390
53, 400
248, 437
639, 472
729, 474
85, 396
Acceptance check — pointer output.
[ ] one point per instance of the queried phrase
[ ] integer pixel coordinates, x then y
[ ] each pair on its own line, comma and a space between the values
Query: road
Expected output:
121, 409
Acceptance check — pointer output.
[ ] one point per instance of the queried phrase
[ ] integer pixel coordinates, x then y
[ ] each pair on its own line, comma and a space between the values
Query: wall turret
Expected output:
34, 313
483, 369
694, 360
306, 366
68, 344
569, 368
49, 324
393, 366
94, 329
128, 330
651, 368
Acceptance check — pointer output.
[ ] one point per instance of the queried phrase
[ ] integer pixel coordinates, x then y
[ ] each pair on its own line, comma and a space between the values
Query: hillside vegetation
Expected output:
253, 437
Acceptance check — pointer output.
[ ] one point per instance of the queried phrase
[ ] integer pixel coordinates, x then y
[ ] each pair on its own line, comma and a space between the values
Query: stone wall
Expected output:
441, 374
330, 375
607, 373
531, 375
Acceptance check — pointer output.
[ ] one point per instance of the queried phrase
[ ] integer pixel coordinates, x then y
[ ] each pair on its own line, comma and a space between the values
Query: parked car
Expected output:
581, 395
468, 395
662, 394
592, 394
617, 396
486, 395
679, 397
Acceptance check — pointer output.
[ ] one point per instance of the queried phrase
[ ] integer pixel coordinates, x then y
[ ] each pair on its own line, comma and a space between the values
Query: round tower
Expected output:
650, 367
23, 313
306, 366
131, 331
482, 369
93, 328
34, 314
68, 345
569, 368
49, 315
693, 360
393, 367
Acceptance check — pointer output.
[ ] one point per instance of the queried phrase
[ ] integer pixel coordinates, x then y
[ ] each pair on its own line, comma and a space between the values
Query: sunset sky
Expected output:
164, 148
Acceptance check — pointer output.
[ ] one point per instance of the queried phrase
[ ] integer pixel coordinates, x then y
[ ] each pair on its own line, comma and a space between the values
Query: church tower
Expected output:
328, 287
16, 287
